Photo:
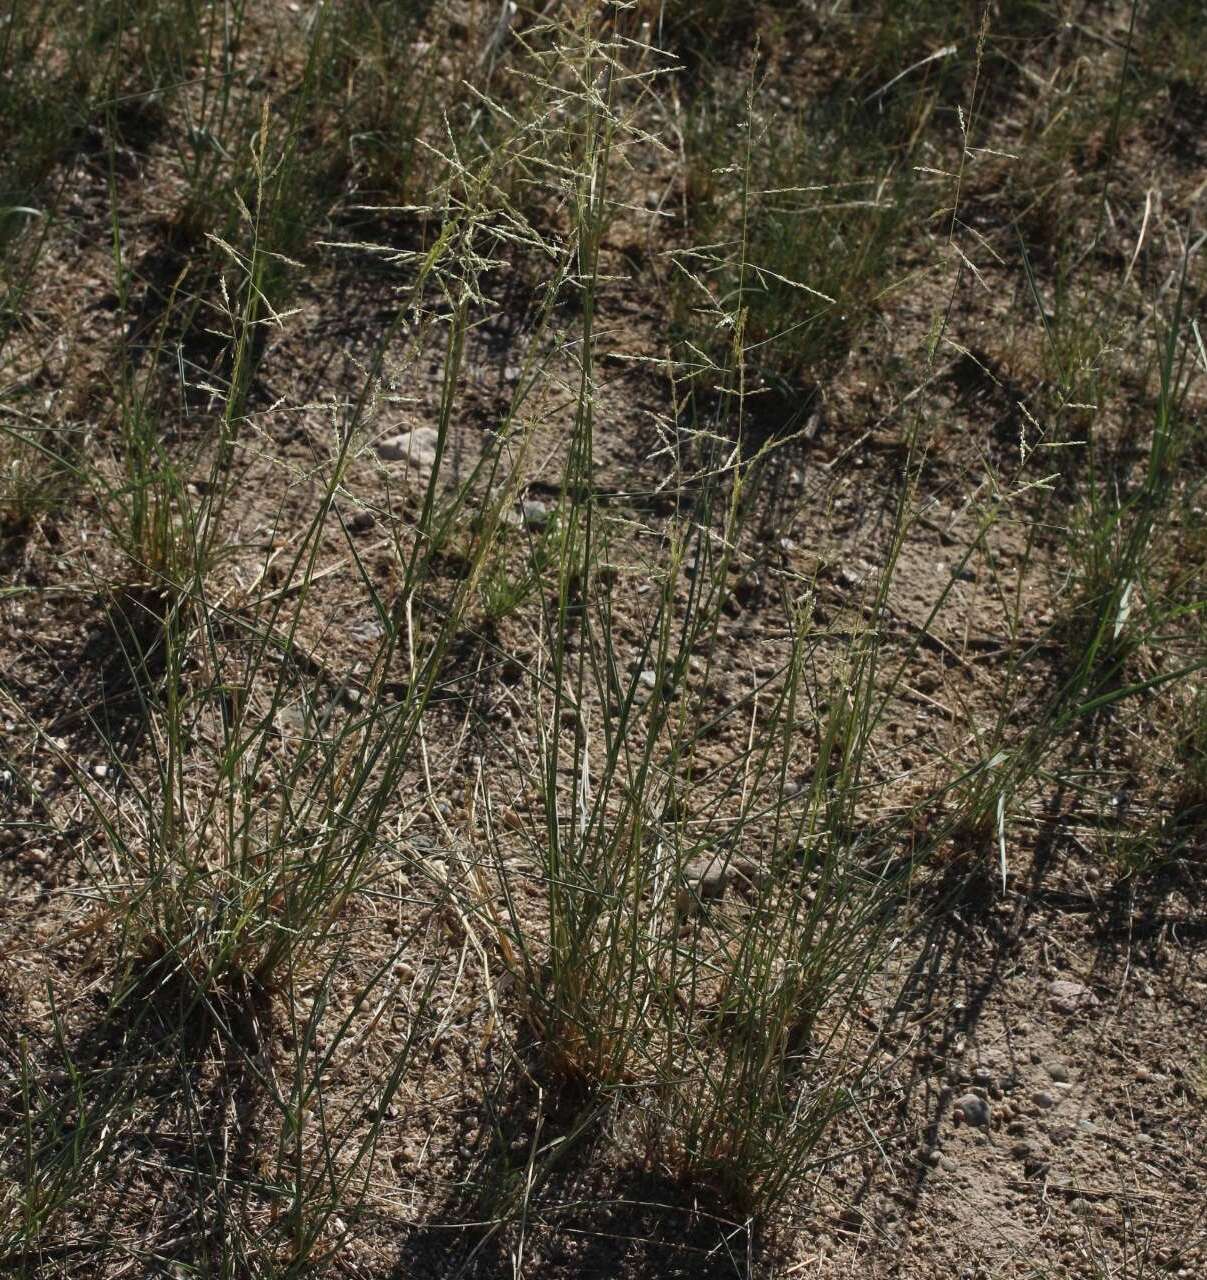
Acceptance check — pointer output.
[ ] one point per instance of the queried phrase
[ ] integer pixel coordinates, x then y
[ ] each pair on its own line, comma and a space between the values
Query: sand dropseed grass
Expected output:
481, 721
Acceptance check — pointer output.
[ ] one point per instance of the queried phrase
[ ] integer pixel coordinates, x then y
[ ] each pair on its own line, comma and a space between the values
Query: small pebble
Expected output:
1044, 1100
1058, 1072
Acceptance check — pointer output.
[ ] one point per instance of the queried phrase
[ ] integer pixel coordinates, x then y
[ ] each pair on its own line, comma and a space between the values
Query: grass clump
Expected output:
34, 482
796, 218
